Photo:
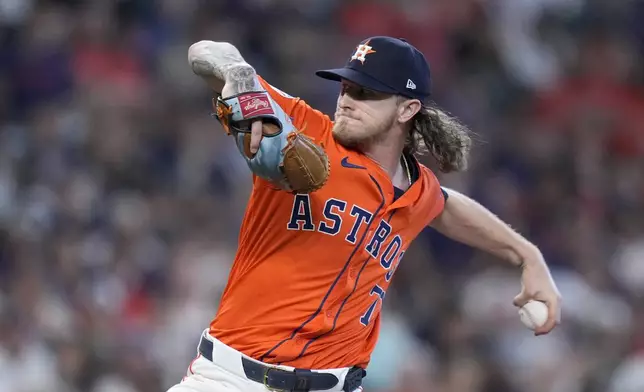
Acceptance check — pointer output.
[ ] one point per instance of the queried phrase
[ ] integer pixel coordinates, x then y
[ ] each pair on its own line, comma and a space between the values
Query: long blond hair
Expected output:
446, 138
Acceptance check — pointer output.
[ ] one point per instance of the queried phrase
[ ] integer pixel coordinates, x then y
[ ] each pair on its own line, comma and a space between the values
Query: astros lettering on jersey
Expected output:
311, 272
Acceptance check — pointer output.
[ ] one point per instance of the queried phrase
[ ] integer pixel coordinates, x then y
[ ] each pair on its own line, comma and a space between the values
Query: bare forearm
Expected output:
468, 222
222, 66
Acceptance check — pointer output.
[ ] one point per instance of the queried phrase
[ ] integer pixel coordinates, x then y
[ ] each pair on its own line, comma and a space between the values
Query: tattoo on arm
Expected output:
222, 61
202, 67
242, 78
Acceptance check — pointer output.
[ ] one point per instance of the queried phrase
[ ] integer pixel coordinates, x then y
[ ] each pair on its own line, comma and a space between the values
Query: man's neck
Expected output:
387, 154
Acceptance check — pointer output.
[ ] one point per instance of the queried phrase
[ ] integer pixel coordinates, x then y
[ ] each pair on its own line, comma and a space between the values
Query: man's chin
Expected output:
344, 138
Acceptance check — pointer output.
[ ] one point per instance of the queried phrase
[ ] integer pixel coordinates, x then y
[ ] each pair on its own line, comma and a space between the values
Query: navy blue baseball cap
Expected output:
388, 65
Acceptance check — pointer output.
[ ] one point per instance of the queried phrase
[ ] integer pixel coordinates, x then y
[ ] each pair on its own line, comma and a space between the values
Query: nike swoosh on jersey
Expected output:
345, 163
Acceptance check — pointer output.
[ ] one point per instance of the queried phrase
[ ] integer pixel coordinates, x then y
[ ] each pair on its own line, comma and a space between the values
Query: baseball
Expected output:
534, 314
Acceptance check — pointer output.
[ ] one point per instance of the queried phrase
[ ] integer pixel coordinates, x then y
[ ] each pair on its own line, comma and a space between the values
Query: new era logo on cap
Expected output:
411, 85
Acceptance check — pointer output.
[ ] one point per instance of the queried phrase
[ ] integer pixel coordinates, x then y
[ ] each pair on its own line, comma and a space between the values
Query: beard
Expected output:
353, 134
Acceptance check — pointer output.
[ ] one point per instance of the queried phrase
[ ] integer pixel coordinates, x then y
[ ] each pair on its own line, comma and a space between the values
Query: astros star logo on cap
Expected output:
362, 51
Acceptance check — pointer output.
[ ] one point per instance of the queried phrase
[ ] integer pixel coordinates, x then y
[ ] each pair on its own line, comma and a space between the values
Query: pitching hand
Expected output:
537, 284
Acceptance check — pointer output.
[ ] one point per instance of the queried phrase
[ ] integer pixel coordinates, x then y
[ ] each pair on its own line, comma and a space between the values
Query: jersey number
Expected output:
380, 293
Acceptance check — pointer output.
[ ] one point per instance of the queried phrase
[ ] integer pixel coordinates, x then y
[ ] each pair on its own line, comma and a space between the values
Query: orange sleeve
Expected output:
310, 121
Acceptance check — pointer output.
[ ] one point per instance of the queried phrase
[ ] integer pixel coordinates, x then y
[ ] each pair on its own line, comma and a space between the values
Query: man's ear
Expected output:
408, 109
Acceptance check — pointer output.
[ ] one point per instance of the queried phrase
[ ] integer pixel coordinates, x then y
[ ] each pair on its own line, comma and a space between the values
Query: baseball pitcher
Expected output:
334, 206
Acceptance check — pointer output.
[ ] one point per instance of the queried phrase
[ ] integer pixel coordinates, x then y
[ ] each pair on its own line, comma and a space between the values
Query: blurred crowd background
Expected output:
120, 197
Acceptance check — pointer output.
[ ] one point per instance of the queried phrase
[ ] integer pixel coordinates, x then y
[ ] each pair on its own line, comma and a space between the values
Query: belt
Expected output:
298, 380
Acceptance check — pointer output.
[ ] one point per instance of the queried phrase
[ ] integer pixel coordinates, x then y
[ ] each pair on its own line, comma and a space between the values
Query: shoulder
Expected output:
425, 171
432, 182
308, 120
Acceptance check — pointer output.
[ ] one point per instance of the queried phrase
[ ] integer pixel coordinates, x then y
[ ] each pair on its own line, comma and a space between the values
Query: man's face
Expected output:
363, 116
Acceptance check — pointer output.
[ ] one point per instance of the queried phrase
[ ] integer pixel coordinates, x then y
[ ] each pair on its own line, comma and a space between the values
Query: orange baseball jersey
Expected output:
312, 270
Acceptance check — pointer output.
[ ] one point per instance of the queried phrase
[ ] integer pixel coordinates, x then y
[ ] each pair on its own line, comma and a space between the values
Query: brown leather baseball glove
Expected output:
286, 157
